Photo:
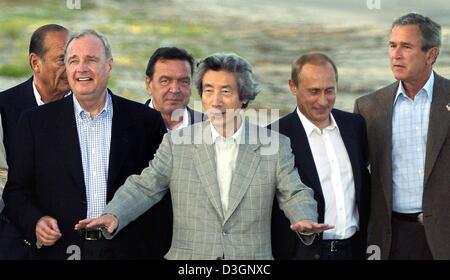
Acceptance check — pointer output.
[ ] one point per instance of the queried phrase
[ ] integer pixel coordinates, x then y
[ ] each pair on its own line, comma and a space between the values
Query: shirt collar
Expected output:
79, 111
310, 127
428, 88
184, 123
236, 136
151, 104
37, 96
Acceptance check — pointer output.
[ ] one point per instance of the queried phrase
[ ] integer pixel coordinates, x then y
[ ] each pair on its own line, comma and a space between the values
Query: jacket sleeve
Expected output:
20, 190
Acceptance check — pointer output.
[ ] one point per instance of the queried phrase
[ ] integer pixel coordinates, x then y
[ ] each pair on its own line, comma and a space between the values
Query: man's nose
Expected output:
82, 67
396, 53
323, 99
217, 99
174, 86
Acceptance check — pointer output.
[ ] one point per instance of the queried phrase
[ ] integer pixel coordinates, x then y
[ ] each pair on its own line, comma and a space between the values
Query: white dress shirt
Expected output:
37, 96
336, 178
226, 155
184, 123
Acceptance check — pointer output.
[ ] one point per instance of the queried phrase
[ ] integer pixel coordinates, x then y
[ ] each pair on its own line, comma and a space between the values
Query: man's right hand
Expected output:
108, 222
47, 231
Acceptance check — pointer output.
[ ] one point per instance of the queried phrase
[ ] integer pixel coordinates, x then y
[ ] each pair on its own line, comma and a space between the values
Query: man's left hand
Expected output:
308, 227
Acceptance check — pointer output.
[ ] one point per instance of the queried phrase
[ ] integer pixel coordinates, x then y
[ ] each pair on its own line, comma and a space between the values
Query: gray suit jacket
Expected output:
201, 229
3, 166
376, 108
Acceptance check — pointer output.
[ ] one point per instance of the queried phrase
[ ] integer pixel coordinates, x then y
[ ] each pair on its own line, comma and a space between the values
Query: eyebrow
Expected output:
92, 56
73, 56
171, 77
401, 43
221, 87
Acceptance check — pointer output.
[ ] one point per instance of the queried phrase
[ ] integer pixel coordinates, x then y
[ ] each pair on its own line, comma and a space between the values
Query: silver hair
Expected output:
76, 35
248, 88
431, 31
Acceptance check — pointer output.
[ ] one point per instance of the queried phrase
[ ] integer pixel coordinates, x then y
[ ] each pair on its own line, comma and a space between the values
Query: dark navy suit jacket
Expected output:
285, 243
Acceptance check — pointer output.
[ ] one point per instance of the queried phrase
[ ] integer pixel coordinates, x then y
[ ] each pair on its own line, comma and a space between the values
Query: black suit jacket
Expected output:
285, 243
194, 116
13, 102
47, 174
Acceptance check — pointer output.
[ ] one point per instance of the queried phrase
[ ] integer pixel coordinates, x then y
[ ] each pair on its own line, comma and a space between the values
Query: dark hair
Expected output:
314, 58
37, 45
168, 53
242, 70
431, 31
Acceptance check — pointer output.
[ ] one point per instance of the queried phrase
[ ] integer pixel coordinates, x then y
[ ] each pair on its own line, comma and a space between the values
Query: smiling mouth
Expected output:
321, 110
83, 79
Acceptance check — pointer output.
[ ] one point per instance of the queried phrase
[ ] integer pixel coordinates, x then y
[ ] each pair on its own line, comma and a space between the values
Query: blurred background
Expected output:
269, 34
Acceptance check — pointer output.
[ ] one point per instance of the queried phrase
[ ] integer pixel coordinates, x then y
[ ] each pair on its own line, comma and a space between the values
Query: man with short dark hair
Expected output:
48, 83
408, 124
168, 81
330, 155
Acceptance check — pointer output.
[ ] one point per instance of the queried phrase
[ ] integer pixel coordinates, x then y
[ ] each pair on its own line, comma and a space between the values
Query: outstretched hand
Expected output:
309, 227
108, 222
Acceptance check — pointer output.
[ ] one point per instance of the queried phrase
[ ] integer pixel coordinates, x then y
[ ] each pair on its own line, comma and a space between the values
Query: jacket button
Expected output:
84, 202
317, 256
219, 258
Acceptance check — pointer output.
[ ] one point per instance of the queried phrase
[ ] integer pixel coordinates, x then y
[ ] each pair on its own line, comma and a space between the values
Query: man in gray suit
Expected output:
223, 175
3, 166
408, 124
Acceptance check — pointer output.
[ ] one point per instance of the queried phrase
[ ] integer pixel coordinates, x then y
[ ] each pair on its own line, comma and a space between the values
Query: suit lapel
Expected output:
246, 165
205, 164
351, 146
67, 142
120, 143
28, 100
385, 103
439, 124
195, 116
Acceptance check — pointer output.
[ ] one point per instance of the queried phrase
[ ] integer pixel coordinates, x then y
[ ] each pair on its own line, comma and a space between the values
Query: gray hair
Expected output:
431, 31
248, 88
84, 33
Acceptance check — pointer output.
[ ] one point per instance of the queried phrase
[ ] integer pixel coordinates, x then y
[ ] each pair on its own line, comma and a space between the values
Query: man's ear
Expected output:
35, 62
432, 55
293, 87
147, 81
110, 65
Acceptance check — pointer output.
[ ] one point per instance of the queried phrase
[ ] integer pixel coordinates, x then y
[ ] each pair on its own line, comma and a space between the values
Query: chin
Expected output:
216, 122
